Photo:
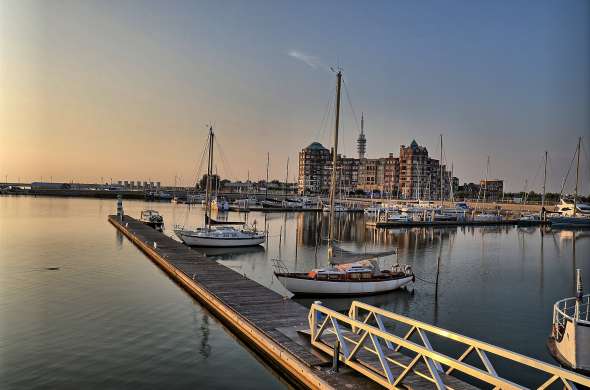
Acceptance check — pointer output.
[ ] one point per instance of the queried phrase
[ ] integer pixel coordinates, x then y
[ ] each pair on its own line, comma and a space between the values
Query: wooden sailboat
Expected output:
220, 235
348, 273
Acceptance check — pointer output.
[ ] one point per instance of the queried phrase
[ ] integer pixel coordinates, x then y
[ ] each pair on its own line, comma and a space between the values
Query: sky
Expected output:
124, 90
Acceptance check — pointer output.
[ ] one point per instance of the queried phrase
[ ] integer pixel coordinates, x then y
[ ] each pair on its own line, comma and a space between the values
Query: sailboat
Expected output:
220, 235
573, 213
348, 273
486, 216
535, 218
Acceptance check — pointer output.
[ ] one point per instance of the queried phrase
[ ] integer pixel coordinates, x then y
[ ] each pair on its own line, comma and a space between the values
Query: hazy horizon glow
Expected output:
124, 90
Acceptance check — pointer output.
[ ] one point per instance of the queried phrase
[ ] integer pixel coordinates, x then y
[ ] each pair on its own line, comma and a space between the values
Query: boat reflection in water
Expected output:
230, 252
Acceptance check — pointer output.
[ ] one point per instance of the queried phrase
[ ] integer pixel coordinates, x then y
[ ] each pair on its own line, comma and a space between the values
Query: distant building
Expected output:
314, 169
492, 189
412, 175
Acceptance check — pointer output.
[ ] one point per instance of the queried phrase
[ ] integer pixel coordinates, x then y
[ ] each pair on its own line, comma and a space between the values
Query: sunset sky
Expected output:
125, 89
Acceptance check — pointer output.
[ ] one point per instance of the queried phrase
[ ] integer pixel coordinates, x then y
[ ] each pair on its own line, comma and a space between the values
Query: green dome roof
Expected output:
315, 146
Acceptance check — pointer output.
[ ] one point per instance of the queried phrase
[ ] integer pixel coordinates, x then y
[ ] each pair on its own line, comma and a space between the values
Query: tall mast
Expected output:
451, 189
485, 183
287, 177
208, 185
334, 160
544, 182
441, 171
577, 177
267, 164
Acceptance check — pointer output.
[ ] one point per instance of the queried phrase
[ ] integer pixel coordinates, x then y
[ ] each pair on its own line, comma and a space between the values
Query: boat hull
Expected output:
302, 286
581, 222
215, 242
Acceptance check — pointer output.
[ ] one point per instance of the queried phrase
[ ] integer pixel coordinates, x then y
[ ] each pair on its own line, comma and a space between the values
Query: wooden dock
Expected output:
267, 322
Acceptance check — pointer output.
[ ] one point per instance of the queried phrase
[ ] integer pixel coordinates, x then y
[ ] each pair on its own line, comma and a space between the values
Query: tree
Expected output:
214, 182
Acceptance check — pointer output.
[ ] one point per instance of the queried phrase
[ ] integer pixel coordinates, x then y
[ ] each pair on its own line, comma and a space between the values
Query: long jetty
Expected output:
268, 322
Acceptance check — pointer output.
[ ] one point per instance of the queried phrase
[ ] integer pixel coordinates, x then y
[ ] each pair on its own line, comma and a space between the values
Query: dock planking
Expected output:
267, 321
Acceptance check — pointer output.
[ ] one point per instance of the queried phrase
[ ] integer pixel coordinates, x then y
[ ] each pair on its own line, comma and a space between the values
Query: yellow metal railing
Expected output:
364, 329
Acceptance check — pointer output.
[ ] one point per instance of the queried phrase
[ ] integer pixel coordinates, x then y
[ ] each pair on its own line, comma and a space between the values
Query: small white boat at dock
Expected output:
569, 342
152, 218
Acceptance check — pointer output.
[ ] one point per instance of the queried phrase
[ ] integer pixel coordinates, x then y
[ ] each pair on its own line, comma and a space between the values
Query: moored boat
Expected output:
152, 218
569, 342
218, 235
355, 279
221, 236
348, 273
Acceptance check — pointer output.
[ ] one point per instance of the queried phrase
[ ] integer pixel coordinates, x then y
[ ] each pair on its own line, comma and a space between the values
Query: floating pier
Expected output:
321, 348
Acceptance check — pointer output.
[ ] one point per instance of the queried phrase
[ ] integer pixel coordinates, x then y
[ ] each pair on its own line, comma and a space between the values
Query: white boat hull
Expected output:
219, 242
301, 286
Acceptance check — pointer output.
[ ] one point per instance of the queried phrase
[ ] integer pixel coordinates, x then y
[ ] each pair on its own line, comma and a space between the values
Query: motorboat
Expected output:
398, 218
152, 218
338, 208
487, 217
220, 204
217, 233
246, 203
579, 221
440, 216
529, 219
566, 207
372, 210
459, 208
348, 273
271, 203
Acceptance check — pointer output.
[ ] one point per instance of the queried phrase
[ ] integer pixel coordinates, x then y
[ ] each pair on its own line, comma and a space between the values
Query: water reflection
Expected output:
119, 238
495, 283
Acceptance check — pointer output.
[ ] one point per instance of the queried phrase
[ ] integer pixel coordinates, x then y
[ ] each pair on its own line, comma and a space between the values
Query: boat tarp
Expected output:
344, 256
216, 222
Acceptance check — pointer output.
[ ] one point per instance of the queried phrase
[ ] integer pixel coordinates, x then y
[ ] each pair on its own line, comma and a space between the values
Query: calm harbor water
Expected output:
107, 317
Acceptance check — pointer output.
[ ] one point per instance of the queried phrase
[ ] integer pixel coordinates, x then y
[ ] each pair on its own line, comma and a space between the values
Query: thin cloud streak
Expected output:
311, 61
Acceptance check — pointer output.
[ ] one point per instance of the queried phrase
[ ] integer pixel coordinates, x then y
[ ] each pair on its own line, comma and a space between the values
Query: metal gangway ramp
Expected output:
365, 341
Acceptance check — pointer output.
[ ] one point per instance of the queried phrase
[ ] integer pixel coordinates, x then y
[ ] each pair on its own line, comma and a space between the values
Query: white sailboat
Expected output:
486, 216
348, 273
218, 236
572, 212
535, 218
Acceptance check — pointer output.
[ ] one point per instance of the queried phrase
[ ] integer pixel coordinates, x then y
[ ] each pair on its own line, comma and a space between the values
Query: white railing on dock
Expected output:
365, 328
